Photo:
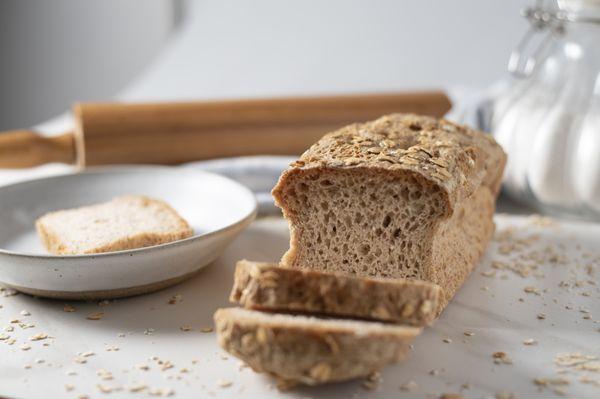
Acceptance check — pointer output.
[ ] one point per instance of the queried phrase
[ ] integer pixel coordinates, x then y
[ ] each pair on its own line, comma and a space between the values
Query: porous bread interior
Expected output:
363, 221
247, 316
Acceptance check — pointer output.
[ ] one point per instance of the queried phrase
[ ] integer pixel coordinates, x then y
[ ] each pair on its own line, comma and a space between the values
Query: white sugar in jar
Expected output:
548, 121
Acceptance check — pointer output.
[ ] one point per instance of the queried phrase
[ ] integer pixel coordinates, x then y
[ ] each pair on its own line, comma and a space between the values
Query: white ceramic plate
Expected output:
216, 207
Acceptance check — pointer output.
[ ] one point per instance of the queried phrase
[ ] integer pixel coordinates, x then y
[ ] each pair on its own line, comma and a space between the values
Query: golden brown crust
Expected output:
271, 287
453, 156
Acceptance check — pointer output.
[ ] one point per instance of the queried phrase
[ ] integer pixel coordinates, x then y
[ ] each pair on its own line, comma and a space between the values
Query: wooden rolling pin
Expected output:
171, 133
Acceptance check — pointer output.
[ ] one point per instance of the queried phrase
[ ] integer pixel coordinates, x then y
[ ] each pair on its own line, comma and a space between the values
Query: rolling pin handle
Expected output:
26, 148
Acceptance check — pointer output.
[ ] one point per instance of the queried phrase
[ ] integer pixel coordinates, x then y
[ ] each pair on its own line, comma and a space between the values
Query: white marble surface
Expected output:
490, 307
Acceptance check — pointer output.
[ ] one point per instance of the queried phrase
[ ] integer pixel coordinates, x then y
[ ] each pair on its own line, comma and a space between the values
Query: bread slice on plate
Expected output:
404, 196
125, 222
310, 350
270, 287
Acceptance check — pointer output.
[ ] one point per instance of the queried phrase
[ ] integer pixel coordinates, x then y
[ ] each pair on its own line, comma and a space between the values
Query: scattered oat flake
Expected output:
6, 292
372, 381
137, 388
166, 365
142, 366
206, 329
175, 299
409, 386
69, 387
501, 357
469, 333
572, 359
25, 313
69, 309
95, 316
104, 302
544, 382
589, 380
104, 374
447, 340
112, 348
505, 395
224, 383
186, 328
161, 392
86, 354
532, 290
4, 336
530, 341
104, 388
541, 316
80, 360
25, 347
38, 337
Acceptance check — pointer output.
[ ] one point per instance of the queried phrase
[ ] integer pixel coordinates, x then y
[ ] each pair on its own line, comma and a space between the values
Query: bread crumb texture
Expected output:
126, 222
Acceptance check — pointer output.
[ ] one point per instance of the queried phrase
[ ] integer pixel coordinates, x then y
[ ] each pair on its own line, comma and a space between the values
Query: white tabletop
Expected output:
144, 343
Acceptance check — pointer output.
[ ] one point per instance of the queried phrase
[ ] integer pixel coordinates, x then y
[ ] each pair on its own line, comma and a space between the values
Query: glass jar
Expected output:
548, 117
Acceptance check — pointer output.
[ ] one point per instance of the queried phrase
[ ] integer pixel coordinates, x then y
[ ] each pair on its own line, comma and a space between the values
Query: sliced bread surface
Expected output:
125, 222
310, 350
404, 196
267, 286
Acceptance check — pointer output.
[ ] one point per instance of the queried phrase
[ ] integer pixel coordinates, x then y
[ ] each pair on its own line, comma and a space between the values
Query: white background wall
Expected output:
54, 53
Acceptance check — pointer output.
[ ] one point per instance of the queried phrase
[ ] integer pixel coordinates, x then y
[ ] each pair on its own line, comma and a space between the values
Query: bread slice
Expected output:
266, 286
404, 196
126, 222
310, 350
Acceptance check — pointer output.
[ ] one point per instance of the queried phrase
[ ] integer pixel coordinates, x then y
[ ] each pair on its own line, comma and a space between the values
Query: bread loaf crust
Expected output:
309, 350
266, 286
460, 167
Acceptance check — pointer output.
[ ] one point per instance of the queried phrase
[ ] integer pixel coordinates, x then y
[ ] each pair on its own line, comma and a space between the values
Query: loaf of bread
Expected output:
126, 222
310, 350
266, 286
404, 196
